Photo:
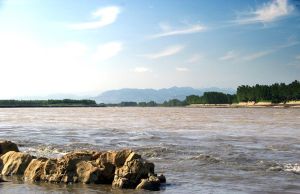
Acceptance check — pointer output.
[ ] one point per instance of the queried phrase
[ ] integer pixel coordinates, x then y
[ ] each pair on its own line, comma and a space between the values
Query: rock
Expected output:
115, 158
14, 163
1, 180
71, 168
122, 169
133, 171
132, 156
86, 172
152, 184
35, 169
162, 178
106, 173
121, 157
6, 146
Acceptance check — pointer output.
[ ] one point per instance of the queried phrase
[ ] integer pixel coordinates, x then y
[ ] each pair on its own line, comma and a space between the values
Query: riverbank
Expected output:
290, 104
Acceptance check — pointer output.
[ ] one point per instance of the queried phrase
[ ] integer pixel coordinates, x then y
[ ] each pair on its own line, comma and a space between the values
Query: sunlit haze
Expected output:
87, 47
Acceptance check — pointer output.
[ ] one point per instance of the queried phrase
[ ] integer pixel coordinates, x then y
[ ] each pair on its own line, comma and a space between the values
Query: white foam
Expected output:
295, 168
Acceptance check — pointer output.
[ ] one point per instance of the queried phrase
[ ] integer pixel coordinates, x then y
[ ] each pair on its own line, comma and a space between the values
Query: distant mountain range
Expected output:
159, 96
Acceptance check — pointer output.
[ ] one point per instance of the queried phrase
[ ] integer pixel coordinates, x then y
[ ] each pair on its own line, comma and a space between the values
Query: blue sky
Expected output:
85, 47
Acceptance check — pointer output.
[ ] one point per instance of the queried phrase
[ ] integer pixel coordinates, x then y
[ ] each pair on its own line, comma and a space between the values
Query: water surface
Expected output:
200, 150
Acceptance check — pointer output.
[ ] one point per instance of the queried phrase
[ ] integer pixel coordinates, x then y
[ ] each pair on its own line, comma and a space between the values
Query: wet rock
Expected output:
133, 171
14, 163
86, 172
6, 146
1, 180
152, 184
73, 167
122, 169
121, 157
106, 173
35, 169
162, 178
116, 158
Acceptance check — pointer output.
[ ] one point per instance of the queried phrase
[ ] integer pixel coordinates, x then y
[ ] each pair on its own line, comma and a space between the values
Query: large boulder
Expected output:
71, 168
14, 163
132, 172
6, 146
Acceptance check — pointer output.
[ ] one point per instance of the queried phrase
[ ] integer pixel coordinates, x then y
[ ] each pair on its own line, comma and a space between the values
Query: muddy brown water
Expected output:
200, 150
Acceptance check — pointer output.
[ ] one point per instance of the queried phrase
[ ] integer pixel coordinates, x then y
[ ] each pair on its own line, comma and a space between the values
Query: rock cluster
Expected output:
122, 169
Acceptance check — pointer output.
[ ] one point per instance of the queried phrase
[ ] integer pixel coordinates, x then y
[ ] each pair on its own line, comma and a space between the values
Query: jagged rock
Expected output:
106, 173
131, 174
14, 163
86, 172
6, 146
73, 167
115, 158
39, 170
123, 169
152, 183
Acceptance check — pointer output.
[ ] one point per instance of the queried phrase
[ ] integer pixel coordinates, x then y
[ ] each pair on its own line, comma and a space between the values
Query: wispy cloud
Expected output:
105, 16
230, 55
298, 57
169, 51
141, 70
168, 31
257, 55
268, 12
260, 54
107, 51
182, 69
194, 58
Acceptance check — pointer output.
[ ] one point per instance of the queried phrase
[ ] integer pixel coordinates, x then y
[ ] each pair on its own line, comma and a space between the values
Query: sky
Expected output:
87, 47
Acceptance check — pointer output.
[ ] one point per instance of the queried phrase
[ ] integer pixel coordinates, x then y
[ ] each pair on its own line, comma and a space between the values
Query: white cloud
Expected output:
268, 12
298, 57
107, 51
141, 70
106, 15
230, 55
169, 51
194, 58
257, 55
182, 69
167, 31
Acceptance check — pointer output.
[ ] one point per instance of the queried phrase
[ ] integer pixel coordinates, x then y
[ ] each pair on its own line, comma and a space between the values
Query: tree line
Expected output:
276, 93
46, 103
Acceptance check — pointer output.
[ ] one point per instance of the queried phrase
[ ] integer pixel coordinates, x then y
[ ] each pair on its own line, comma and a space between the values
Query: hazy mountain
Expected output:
146, 95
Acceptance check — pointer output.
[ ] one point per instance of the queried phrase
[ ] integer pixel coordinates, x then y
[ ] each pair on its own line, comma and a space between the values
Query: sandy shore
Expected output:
290, 104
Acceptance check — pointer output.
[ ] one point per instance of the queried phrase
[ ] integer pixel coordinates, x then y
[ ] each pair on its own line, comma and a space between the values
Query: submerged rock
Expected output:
6, 146
152, 183
122, 169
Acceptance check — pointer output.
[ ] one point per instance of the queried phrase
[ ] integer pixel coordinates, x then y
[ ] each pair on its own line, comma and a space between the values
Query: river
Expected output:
200, 150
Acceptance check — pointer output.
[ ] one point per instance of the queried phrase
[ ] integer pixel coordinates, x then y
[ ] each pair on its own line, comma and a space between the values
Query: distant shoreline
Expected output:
291, 104
188, 106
